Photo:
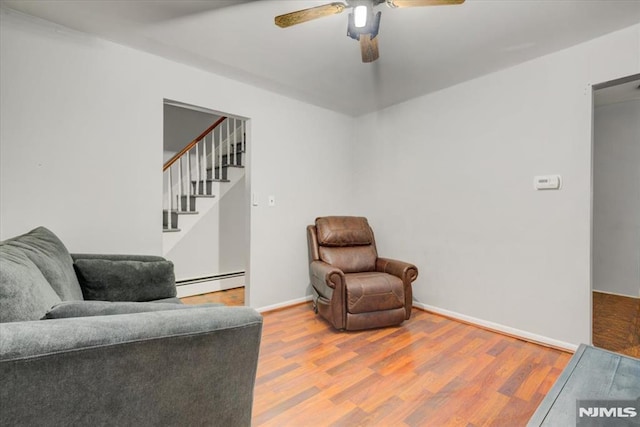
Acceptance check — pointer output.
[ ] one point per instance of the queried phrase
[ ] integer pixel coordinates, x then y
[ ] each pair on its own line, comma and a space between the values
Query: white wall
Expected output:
182, 125
217, 242
447, 182
233, 235
81, 139
616, 199
81, 150
196, 254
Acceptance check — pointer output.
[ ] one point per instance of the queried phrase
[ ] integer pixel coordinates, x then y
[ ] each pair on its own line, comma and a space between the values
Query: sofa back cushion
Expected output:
51, 257
126, 280
25, 294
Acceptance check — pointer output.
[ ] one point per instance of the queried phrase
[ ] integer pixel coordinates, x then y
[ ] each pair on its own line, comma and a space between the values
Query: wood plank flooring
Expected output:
233, 296
429, 371
616, 323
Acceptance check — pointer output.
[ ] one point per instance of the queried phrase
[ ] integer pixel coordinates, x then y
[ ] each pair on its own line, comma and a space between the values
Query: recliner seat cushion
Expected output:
53, 260
371, 292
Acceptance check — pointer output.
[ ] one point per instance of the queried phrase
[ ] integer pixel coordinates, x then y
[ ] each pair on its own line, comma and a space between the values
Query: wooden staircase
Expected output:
200, 170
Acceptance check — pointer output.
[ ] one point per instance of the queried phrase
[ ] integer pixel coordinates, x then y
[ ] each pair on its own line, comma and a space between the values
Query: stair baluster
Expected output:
197, 169
235, 142
228, 143
204, 164
169, 200
243, 141
179, 202
219, 154
189, 190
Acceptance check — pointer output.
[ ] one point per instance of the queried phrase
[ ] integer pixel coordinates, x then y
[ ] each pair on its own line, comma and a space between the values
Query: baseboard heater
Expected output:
209, 278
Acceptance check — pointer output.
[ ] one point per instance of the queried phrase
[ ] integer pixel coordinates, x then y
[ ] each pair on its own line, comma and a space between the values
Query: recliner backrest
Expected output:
346, 242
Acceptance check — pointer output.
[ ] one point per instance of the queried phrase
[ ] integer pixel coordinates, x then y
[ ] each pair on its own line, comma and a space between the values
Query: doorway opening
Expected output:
205, 214
615, 234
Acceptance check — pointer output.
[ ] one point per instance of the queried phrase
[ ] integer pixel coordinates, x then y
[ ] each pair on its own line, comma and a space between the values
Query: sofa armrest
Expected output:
179, 367
405, 271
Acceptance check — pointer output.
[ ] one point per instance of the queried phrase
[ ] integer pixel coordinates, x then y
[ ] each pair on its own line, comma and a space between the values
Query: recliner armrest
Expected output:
405, 271
321, 272
178, 367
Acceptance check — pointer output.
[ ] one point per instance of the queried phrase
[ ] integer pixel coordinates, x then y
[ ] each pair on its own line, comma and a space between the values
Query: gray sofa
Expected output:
102, 340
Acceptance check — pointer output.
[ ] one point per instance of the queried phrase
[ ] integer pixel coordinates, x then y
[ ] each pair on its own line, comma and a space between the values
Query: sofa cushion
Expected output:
50, 255
67, 309
108, 280
25, 294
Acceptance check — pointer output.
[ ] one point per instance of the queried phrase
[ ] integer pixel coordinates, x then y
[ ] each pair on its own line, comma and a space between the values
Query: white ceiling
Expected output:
422, 49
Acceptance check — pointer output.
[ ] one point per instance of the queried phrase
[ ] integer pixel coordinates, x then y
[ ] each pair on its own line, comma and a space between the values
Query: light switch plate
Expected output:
547, 182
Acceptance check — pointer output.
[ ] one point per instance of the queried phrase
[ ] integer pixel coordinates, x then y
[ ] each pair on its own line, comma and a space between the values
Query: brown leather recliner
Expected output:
353, 288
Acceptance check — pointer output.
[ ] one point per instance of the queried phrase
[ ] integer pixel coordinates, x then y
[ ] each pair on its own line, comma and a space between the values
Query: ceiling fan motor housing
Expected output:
372, 27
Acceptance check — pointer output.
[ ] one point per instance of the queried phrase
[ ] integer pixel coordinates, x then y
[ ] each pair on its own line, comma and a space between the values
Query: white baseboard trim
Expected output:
507, 330
285, 304
613, 293
191, 289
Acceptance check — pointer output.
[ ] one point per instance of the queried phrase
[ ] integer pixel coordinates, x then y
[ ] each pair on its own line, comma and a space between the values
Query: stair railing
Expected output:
194, 158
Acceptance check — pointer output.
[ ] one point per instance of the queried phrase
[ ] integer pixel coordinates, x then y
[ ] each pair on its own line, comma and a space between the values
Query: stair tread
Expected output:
187, 212
170, 230
211, 196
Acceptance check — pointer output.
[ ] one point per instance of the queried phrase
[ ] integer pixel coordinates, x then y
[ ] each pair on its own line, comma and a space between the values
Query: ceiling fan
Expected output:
363, 24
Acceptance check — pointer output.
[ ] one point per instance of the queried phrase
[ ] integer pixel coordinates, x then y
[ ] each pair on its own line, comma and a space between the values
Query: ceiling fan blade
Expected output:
369, 48
304, 15
415, 3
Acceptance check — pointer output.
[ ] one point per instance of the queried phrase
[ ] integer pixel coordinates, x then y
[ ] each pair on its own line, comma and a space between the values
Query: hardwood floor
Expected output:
233, 296
616, 323
430, 371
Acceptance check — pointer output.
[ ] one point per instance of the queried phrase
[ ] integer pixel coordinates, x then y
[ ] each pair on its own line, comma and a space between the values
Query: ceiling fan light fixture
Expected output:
360, 14
363, 25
